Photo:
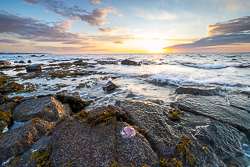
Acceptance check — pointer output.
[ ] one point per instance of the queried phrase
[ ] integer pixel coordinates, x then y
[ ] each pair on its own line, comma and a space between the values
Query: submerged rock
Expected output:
21, 62
103, 62
4, 62
80, 62
109, 86
130, 62
18, 140
46, 108
214, 107
34, 67
203, 90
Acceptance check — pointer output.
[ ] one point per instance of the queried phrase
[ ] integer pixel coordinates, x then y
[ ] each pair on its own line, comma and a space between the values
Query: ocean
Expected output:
156, 79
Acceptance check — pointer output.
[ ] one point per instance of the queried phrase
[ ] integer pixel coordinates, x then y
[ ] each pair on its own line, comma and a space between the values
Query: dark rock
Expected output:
19, 56
46, 108
4, 62
107, 62
29, 61
214, 107
130, 62
21, 61
76, 94
203, 90
136, 151
6, 90
34, 68
42, 143
65, 64
240, 101
42, 55
86, 145
18, 140
109, 86
34, 56
76, 103
15, 61
80, 62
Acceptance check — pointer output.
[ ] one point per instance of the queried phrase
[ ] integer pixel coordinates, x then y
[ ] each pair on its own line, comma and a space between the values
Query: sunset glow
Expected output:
107, 26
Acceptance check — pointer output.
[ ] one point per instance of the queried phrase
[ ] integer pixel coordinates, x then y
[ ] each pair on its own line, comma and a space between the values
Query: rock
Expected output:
136, 151
240, 101
15, 61
103, 62
76, 103
46, 108
86, 145
34, 68
6, 89
29, 61
151, 118
225, 140
109, 86
21, 61
130, 62
65, 64
214, 107
4, 62
19, 56
99, 146
42, 55
42, 143
203, 90
80, 62
34, 56
76, 94
18, 140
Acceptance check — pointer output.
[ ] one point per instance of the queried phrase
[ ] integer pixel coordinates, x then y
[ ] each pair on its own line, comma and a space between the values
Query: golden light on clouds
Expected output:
155, 46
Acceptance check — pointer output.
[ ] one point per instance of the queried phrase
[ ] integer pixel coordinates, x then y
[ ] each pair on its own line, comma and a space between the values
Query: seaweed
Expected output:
139, 130
31, 76
183, 150
5, 116
165, 163
35, 120
106, 117
42, 157
205, 149
81, 115
174, 114
115, 164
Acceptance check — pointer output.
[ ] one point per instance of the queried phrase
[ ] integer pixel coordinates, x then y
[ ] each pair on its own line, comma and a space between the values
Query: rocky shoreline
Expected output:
57, 131
201, 127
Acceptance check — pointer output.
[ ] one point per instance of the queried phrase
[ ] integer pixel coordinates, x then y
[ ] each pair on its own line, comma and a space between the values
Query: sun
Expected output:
155, 46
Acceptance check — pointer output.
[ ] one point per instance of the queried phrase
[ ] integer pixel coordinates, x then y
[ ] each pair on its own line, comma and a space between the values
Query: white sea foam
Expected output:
207, 66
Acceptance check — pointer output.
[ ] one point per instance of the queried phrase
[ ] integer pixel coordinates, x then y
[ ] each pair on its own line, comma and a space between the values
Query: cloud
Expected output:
95, 2
45, 11
232, 26
155, 15
8, 41
236, 31
36, 30
118, 42
94, 18
108, 30
120, 15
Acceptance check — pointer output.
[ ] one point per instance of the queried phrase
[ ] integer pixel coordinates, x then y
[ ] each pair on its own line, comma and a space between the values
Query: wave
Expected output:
206, 66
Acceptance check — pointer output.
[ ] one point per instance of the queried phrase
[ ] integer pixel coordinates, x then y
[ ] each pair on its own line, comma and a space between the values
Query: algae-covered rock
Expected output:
46, 108
130, 62
4, 62
203, 90
18, 140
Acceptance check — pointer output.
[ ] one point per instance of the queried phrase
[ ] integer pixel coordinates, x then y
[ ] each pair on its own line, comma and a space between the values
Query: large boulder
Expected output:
80, 62
4, 62
214, 107
130, 62
18, 140
33, 68
76, 103
46, 108
203, 90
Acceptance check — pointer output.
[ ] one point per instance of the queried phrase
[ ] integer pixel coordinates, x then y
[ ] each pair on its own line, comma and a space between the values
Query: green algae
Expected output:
41, 157
174, 163
81, 115
174, 114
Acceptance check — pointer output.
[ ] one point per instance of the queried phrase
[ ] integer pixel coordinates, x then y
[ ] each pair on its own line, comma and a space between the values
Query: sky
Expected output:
124, 26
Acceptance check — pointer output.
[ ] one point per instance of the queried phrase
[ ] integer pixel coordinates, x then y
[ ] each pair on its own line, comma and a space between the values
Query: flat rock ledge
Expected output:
203, 90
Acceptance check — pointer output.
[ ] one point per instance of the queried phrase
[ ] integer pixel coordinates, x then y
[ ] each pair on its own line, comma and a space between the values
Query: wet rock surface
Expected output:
34, 68
103, 62
4, 62
240, 101
20, 139
216, 108
203, 90
130, 62
109, 86
46, 108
